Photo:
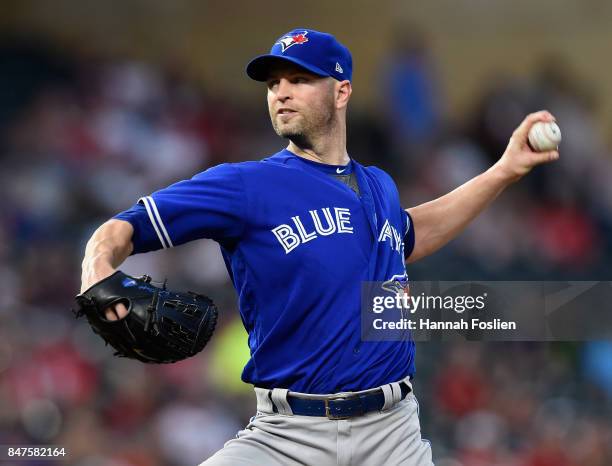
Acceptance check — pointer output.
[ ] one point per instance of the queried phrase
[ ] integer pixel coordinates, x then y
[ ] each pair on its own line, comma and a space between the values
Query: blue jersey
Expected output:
297, 243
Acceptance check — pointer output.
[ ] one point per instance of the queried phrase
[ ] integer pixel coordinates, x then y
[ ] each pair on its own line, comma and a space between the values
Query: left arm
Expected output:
437, 222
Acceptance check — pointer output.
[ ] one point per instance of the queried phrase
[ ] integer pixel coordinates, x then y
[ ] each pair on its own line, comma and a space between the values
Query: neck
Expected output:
329, 148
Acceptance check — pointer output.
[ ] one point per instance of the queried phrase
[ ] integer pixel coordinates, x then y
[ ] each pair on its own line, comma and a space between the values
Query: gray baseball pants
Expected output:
387, 438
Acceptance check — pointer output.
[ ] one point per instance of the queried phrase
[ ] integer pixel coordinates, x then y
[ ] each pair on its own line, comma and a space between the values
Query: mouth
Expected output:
285, 111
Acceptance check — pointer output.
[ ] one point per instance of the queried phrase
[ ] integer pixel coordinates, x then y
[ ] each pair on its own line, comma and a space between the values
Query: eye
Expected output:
271, 83
300, 79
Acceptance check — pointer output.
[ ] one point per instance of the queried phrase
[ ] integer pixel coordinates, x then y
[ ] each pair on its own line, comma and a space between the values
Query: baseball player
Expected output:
299, 232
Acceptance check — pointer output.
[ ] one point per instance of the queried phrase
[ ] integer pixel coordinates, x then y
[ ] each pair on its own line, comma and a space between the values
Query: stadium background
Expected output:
101, 102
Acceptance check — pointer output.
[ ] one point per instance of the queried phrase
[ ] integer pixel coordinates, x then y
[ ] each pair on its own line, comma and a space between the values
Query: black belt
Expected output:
341, 406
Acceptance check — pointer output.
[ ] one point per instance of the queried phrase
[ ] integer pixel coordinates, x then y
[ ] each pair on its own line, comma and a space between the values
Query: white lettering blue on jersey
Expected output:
297, 243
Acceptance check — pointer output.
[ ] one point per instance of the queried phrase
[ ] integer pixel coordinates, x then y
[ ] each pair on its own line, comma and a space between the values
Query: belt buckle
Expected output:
330, 415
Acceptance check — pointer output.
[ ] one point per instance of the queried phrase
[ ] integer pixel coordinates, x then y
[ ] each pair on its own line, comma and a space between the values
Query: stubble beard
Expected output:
307, 128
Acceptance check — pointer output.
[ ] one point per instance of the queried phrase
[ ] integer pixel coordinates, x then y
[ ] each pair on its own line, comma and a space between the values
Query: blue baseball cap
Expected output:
318, 52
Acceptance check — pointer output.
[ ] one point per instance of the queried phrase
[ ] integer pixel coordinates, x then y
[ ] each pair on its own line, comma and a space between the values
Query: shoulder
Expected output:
235, 169
375, 171
252, 169
381, 176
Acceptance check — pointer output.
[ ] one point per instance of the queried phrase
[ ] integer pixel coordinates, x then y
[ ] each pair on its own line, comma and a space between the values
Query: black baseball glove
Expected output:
161, 326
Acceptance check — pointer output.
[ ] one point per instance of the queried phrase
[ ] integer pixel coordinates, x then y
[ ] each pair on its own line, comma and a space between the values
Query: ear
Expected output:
343, 93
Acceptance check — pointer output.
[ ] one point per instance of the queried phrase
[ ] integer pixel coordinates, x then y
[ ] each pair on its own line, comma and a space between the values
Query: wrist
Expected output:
94, 269
504, 176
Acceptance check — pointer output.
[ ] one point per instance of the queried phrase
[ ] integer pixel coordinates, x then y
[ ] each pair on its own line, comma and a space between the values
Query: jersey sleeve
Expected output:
408, 234
209, 205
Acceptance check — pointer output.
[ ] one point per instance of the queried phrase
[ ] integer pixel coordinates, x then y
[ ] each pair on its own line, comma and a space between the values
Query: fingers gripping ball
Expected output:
544, 136
161, 326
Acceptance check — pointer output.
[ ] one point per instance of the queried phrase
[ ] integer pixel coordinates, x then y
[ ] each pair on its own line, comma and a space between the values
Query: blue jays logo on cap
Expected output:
318, 52
293, 39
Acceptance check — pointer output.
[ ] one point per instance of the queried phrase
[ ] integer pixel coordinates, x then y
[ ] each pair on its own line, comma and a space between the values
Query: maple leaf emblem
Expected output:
291, 40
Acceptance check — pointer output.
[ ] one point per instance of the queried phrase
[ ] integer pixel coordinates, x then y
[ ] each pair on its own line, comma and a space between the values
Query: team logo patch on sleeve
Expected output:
397, 284
289, 41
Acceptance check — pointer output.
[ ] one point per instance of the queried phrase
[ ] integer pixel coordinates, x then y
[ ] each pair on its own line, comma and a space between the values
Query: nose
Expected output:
283, 90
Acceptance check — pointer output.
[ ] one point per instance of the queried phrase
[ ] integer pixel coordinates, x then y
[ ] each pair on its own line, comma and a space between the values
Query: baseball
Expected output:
544, 136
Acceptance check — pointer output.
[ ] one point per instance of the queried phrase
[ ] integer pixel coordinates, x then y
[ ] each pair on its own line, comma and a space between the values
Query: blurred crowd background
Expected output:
87, 128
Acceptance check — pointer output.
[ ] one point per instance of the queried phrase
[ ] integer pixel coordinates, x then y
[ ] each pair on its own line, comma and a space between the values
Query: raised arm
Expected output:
437, 222
106, 250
